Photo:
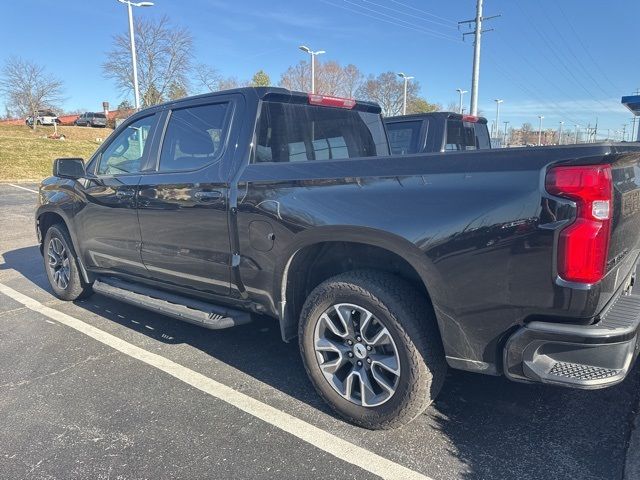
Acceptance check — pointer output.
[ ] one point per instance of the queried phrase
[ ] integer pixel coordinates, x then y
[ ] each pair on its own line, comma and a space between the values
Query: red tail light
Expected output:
583, 246
328, 101
469, 118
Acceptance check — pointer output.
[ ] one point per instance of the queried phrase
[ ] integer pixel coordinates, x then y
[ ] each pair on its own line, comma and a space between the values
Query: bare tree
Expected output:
329, 78
388, 90
352, 79
297, 77
164, 59
27, 87
207, 78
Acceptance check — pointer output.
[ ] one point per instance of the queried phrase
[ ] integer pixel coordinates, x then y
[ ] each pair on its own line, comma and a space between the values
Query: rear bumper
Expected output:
579, 356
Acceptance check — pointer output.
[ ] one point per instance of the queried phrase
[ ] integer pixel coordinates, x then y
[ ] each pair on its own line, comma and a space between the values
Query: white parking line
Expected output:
311, 434
23, 188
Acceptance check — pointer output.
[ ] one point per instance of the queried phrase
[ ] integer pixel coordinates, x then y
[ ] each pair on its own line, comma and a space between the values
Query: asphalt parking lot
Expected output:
99, 389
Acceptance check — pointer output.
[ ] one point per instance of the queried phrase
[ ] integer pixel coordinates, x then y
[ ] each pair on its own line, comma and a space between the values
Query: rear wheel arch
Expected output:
314, 262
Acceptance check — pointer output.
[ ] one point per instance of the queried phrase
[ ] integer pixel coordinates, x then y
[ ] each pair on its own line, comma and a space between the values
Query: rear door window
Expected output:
299, 133
194, 137
404, 137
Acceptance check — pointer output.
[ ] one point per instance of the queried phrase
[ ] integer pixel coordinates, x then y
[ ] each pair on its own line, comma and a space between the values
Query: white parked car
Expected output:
45, 117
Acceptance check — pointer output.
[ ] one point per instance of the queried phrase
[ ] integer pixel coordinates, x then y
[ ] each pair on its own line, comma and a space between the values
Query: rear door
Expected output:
182, 206
109, 222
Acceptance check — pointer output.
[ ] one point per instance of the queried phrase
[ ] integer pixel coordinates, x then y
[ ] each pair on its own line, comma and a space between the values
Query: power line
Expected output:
412, 15
570, 50
423, 11
584, 47
396, 21
563, 63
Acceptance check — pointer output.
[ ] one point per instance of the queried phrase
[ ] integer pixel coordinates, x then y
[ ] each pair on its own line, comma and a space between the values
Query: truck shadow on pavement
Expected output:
493, 428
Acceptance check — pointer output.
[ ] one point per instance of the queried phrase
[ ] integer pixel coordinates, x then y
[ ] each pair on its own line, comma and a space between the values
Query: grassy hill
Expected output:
28, 155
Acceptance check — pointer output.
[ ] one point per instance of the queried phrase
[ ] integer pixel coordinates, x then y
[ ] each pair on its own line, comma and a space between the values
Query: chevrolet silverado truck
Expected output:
387, 269
437, 132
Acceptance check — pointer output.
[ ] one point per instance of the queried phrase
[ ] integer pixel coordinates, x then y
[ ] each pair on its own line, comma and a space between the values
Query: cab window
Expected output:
125, 153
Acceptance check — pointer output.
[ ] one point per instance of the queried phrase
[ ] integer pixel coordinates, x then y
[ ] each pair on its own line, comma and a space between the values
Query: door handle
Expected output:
124, 194
203, 196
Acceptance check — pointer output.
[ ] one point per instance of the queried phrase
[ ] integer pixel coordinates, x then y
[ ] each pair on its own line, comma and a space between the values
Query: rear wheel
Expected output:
371, 347
61, 265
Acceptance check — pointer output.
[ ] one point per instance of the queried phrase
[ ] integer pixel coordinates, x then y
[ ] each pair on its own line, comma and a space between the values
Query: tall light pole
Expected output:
577, 131
406, 81
134, 60
506, 125
560, 133
461, 92
497, 131
313, 64
624, 132
540, 117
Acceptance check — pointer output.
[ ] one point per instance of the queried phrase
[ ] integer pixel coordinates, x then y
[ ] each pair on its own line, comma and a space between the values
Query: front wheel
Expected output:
371, 347
61, 265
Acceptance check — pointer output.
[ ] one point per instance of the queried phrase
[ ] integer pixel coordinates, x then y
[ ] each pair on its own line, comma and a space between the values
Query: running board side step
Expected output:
182, 308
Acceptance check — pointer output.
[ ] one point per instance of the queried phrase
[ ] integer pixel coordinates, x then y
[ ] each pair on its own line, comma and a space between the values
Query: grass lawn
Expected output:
29, 155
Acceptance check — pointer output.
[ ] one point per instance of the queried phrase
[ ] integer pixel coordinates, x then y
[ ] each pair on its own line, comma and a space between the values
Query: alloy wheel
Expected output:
58, 263
357, 354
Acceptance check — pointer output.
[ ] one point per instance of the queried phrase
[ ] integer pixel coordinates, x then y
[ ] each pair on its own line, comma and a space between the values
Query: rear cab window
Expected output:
291, 132
404, 137
464, 135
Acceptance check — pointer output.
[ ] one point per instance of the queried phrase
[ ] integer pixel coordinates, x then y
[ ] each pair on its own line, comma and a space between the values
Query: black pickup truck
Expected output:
262, 201
437, 132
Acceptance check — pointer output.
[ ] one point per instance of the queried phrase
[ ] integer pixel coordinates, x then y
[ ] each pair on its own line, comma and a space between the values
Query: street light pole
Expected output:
406, 82
313, 64
134, 60
560, 133
461, 92
506, 125
540, 117
497, 131
576, 139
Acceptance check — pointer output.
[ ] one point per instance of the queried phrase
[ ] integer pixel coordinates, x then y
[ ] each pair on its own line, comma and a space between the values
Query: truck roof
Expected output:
420, 116
278, 94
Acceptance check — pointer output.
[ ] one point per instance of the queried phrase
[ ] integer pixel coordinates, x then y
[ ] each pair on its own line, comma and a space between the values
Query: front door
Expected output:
182, 207
109, 222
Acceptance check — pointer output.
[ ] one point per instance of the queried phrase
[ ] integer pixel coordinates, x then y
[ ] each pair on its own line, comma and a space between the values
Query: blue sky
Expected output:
570, 63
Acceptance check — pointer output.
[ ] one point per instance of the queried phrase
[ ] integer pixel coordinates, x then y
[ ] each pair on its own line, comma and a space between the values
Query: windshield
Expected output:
293, 133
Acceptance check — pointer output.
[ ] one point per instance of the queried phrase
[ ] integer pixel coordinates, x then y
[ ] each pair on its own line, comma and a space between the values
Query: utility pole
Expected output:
540, 117
633, 129
497, 131
477, 33
624, 132
506, 125
560, 133
461, 92
577, 130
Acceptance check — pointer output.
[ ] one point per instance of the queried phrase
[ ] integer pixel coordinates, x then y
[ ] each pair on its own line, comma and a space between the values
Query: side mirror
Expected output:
69, 168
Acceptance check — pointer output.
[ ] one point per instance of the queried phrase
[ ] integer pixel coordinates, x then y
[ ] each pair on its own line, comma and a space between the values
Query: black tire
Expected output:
409, 318
76, 286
